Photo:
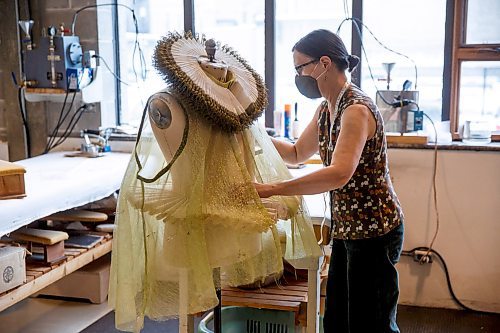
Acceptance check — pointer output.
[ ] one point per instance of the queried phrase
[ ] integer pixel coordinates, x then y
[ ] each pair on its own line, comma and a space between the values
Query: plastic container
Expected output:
249, 320
288, 121
476, 132
278, 123
296, 124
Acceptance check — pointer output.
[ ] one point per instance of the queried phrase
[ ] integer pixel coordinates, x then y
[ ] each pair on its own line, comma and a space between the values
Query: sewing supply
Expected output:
296, 125
288, 121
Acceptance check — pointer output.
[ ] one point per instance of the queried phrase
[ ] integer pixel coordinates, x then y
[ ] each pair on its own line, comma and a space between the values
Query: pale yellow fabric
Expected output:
201, 214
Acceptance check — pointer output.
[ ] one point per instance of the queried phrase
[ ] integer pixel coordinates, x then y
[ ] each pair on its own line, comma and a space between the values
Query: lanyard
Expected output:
336, 111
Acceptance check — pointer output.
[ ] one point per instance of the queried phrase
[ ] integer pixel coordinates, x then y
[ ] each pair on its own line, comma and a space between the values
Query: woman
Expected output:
367, 220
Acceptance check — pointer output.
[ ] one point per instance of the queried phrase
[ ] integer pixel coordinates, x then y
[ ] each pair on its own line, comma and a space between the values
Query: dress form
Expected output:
168, 121
161, 265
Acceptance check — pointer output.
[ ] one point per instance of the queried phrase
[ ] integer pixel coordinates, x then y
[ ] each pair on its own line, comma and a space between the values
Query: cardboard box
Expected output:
89, 282
11, 180
12, 267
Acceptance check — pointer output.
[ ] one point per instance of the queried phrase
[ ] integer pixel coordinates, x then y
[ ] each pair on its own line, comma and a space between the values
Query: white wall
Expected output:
468, 187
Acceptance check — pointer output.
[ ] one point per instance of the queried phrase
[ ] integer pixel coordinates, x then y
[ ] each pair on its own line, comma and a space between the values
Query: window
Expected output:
415, 29
138, 81
240, 25
475, 78
294, 19
471, 67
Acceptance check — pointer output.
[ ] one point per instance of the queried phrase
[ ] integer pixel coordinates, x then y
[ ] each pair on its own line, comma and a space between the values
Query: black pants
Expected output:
362, 290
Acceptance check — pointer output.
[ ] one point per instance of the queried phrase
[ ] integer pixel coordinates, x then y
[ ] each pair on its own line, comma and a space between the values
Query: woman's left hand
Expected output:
264, 190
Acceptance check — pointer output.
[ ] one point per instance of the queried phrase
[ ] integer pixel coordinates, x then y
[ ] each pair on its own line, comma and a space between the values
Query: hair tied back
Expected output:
352, 62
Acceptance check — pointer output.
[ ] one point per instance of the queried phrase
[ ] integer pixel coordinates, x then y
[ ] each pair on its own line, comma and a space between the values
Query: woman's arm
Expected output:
357, 126
304, 147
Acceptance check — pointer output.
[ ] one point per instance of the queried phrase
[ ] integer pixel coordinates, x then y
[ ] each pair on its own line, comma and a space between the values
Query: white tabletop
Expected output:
315, 203
55, 183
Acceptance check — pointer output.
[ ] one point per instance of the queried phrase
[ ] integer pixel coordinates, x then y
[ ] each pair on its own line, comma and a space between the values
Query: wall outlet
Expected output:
422, 256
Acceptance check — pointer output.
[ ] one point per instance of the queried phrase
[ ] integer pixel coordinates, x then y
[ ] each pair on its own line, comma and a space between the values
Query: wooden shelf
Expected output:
39, 277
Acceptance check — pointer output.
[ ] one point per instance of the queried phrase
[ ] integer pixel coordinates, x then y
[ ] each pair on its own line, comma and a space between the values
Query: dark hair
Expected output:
323, 42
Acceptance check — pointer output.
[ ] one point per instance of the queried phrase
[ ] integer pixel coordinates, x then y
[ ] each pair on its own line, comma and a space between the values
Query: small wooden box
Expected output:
12, 267
11, 180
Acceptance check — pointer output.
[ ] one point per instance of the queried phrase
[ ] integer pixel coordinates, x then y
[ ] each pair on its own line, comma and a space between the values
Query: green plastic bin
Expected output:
237, 319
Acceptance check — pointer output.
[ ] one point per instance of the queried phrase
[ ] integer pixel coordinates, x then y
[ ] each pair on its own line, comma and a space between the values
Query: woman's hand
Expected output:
265, 190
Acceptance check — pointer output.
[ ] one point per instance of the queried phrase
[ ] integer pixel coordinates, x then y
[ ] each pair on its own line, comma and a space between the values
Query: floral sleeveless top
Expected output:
367, 205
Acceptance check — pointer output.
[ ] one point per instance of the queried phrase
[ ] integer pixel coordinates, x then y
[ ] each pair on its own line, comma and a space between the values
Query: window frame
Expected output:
456, 51
464, 52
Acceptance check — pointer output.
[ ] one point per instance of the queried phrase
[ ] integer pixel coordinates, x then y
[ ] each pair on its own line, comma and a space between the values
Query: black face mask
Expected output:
308, 86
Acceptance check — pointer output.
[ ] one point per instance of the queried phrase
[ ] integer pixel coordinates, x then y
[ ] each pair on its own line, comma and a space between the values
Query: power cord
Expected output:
109, 69
71, 125
411, 253
366, 57
52, 143
396, 103
24, 118
346, 9
357, 21
22, 110
401, 103
137, 46
62, 117
434, 184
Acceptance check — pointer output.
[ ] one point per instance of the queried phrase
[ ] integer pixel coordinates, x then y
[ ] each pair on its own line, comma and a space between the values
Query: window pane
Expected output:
483, 24
295, 19
479, 97
155, 18
237, 23
419, 36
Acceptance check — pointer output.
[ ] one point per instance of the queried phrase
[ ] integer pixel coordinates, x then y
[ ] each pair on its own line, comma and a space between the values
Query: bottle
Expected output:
296, 125
278, 122
288, 121
476, 132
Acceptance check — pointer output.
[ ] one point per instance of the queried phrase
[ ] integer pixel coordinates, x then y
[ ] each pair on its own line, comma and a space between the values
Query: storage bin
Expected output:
12, 267
249, 320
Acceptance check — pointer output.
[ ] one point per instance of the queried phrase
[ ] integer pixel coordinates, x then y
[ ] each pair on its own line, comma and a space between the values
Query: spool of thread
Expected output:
288, 120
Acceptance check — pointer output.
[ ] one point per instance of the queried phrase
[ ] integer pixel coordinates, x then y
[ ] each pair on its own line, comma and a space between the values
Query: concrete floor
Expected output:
410, 319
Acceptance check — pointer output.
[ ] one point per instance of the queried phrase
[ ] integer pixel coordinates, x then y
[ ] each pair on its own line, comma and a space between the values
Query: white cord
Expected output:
323, 221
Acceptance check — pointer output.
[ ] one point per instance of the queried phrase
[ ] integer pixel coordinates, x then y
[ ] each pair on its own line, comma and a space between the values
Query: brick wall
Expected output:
43, 115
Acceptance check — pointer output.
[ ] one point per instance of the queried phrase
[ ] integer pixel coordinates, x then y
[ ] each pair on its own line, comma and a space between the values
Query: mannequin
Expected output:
168, 121
187, 206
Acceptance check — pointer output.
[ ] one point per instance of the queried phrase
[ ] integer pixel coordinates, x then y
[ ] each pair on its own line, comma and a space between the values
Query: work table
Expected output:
55, 183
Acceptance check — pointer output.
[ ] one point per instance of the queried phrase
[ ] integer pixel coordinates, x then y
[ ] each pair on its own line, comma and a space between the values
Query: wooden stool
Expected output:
51, 241
290, 295
77, 215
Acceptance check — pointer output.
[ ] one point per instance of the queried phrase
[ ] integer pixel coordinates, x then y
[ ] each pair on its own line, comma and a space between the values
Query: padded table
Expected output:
55, 183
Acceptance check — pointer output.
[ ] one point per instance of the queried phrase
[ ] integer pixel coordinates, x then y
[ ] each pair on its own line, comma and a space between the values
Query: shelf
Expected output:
39, 277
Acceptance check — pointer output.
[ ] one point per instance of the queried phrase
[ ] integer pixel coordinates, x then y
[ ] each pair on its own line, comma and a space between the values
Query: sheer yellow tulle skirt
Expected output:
177, 222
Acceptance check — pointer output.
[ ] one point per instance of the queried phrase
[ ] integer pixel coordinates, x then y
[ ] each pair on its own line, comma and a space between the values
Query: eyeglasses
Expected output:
298, 68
